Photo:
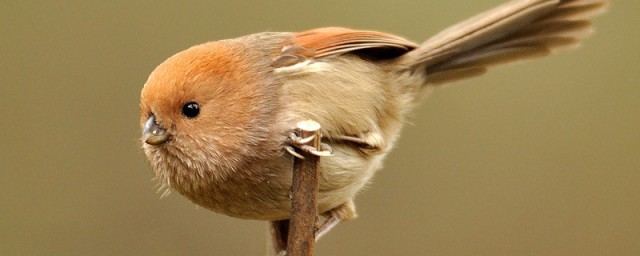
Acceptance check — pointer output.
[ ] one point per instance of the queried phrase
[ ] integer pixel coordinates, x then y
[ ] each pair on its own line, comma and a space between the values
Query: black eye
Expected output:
191, 109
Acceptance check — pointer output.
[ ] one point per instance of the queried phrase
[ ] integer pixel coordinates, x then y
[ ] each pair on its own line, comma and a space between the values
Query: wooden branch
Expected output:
304, 191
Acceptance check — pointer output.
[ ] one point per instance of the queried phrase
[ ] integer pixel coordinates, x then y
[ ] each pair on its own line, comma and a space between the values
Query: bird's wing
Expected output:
330, 41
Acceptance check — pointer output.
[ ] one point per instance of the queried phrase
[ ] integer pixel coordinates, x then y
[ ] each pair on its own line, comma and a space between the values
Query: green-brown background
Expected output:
541, 158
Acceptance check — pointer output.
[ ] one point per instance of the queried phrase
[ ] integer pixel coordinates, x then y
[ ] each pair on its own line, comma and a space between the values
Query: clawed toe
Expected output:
302, 144
293, 152
295, 139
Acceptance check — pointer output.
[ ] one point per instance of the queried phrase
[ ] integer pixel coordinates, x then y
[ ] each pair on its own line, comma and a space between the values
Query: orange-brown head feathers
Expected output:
211, 105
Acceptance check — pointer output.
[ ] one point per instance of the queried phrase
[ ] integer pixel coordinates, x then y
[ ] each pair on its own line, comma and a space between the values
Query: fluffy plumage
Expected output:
359, 85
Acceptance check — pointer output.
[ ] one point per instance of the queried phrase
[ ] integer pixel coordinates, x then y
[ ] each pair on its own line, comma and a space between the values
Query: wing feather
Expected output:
334, 40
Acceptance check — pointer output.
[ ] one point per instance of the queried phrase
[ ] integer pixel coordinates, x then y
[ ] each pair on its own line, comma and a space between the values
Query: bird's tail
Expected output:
514, 31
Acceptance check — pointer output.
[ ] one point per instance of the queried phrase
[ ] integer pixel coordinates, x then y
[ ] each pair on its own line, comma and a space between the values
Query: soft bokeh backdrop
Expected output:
541, 158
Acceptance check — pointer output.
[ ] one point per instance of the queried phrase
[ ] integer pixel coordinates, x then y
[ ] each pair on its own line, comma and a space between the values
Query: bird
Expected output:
217, 118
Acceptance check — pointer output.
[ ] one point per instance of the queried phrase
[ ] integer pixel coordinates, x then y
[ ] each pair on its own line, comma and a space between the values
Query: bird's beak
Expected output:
153, 133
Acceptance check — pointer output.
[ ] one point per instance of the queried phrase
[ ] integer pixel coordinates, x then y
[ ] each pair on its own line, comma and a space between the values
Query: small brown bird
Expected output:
216, 118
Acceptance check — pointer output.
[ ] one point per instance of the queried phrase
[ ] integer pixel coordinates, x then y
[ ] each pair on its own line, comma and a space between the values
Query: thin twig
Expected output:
304, 190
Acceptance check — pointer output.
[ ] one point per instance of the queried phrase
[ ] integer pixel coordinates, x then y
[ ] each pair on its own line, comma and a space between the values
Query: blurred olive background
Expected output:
540, 158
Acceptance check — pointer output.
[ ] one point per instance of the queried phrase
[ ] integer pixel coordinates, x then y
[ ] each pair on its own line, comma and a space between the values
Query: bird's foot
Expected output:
298, 140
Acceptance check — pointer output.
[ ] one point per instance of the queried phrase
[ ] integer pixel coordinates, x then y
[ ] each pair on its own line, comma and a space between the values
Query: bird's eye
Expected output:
191, 109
